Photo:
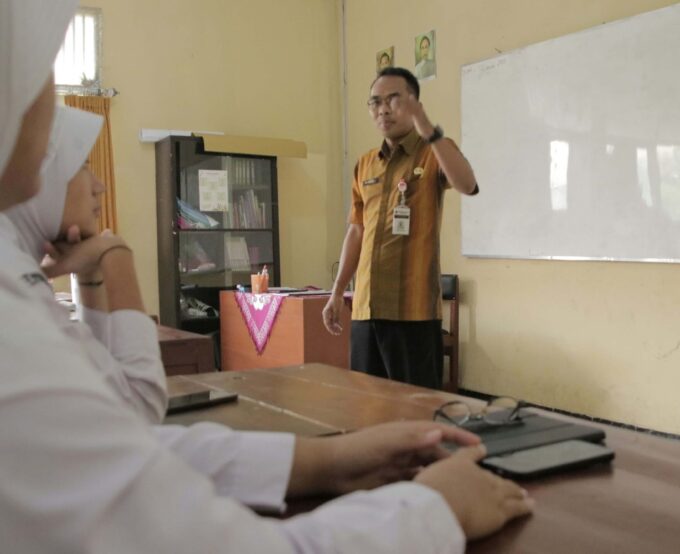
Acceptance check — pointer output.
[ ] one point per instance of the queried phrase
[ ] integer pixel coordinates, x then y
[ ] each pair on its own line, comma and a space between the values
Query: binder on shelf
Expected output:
236, 256
244, 171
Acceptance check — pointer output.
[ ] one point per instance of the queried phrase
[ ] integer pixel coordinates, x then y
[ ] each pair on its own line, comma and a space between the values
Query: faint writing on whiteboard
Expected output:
213, 190
482, 67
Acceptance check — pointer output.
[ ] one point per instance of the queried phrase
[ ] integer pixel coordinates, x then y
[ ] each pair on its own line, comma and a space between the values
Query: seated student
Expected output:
79, 472
123, 344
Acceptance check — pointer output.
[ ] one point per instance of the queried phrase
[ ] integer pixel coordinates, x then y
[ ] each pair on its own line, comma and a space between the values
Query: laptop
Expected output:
533, 430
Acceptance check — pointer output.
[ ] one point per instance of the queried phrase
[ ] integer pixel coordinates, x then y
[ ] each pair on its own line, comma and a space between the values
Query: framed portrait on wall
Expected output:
384, 58
426, 62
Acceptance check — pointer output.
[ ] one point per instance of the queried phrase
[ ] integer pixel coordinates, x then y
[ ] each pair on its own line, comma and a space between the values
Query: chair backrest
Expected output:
449, 286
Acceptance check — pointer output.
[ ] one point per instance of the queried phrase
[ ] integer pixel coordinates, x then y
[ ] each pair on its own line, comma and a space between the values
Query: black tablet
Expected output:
198, 400
547, 459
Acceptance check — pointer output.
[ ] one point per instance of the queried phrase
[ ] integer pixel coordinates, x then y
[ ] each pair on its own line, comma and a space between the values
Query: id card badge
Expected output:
401, 220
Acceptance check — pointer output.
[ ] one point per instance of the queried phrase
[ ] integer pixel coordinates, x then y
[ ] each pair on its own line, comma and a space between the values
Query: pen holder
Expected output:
259, 283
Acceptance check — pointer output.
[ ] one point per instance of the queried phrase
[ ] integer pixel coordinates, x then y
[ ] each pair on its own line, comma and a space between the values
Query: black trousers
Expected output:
406, 351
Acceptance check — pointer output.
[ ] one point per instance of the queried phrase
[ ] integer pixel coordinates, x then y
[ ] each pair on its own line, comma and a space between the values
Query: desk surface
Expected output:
634, 506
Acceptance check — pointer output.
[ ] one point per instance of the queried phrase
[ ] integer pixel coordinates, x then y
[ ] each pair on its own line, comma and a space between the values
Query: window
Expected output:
78, 65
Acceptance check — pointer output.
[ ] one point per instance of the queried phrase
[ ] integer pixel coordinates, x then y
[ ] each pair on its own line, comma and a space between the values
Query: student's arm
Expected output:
399, 516
453, 164
233, 461
132, 359
302, 466
120, 336
105, 255
349, 260
91, 290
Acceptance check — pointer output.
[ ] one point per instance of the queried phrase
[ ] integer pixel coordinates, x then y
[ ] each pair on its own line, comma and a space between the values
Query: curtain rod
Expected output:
96, 91
87, 91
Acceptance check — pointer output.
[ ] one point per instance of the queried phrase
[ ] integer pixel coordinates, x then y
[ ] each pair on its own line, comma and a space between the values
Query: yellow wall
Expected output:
255, 68
601, 339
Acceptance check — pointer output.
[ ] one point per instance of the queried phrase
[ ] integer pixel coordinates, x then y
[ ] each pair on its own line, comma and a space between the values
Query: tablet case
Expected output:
533, 430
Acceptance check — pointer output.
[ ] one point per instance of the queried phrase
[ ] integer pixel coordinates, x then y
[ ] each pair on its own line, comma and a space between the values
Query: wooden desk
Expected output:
634, 506
184, 352
298, 336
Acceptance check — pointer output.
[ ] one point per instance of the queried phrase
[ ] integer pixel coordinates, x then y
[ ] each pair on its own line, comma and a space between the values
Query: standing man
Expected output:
392, 242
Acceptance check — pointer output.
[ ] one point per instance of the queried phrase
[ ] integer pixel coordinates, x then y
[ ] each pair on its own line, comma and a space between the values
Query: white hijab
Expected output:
38, 220
31, 32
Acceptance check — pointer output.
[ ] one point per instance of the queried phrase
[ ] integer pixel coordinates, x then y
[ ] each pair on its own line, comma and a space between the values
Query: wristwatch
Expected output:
436, 135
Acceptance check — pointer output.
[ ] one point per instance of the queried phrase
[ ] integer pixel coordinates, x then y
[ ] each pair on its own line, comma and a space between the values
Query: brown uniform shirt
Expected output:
398, 277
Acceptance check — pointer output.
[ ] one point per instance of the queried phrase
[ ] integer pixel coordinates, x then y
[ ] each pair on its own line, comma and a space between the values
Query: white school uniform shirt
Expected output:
123, 347
79, 472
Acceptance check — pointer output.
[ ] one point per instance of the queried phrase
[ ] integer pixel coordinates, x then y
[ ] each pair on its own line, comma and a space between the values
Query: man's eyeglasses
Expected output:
391, 101
499, 411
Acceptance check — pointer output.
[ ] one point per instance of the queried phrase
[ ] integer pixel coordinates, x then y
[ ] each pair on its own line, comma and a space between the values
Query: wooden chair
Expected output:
449, 285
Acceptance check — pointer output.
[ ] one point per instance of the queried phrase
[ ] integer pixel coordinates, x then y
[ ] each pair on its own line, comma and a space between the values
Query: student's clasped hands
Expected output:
481, 501
74, 254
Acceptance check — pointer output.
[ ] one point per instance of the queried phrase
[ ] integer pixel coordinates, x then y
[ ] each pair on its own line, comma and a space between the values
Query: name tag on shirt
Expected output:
401, 220
35, 278
371, 181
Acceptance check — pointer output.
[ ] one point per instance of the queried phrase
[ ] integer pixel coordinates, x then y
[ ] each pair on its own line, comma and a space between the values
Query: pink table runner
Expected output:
259, 312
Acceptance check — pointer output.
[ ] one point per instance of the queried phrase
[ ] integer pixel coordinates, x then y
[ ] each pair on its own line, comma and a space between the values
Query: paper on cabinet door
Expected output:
213, 190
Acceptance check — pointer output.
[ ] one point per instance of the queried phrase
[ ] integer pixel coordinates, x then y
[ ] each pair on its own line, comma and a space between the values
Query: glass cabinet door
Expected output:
222, 258
224, 217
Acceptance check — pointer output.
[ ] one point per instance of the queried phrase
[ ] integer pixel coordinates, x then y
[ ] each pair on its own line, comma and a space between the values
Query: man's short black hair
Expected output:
411, 81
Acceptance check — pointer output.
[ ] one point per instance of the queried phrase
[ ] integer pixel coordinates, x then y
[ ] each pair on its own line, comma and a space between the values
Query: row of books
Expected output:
244, 171
247, 212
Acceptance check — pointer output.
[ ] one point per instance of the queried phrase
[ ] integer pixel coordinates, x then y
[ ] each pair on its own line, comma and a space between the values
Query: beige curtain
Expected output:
101, 157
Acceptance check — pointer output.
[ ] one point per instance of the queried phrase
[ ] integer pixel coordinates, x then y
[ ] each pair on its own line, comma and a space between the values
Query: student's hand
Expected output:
371, 457
73, 255
73, 235
331, 314
481, 501
391, 452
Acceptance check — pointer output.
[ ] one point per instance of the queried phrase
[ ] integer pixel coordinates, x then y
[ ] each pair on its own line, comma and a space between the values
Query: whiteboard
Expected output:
575, 143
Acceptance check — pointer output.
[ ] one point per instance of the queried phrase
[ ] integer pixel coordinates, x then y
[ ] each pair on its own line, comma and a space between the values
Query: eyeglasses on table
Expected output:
503, 410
